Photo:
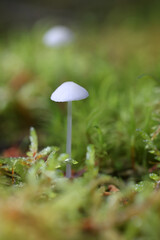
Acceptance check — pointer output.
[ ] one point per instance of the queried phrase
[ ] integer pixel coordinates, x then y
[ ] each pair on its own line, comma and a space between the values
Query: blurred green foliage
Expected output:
115, 64
119, 66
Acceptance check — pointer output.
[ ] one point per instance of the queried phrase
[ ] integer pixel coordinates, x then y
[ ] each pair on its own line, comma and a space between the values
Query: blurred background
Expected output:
109, 47
16, 13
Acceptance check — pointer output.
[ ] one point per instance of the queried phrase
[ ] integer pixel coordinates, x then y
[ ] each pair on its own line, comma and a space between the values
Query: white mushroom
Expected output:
68, 92
58, 36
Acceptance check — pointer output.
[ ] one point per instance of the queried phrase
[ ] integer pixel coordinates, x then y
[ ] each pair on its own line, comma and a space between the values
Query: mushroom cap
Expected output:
69, 91
58, 36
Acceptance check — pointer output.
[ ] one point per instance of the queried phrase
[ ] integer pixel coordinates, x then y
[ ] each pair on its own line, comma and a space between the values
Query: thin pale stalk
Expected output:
69, 137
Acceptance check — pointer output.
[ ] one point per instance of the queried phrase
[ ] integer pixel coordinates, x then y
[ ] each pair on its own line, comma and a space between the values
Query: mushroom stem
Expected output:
69, 137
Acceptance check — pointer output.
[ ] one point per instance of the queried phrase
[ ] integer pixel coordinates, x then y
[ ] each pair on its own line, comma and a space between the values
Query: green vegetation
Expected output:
114, 192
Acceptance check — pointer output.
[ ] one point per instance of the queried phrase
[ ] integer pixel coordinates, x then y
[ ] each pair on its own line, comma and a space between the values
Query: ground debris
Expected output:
111, 189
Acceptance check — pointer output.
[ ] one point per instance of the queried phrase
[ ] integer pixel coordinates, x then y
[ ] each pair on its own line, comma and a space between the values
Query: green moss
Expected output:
120, 69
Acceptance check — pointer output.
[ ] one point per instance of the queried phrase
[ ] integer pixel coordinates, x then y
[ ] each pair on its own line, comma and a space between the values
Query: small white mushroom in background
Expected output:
68, 92
58, 36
